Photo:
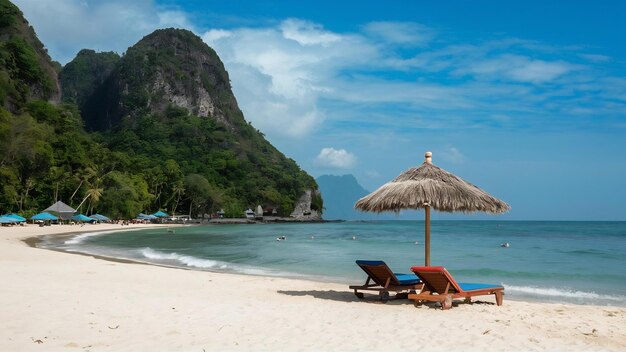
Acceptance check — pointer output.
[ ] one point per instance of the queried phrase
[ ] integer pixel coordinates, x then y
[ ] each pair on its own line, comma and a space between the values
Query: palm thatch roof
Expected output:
64, 211
429, 185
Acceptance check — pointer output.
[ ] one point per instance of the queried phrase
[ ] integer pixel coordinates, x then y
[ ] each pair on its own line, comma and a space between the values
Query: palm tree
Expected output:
94, 193
29, 184
178, 190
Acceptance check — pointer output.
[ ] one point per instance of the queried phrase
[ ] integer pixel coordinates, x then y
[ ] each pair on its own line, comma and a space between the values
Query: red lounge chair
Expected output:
441, 287
380, 278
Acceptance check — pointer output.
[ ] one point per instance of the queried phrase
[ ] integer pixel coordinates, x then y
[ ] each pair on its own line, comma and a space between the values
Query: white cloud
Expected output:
373, 174
536, 71
307, 33
595, 57
335, 158
171, 18
406, 33
519, 68
214, 35
280, 73
452, 155
285, 76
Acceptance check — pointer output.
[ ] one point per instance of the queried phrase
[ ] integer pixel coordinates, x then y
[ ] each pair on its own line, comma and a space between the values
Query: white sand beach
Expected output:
55, 301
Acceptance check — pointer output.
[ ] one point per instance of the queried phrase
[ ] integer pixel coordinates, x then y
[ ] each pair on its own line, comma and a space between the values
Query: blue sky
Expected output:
527, 99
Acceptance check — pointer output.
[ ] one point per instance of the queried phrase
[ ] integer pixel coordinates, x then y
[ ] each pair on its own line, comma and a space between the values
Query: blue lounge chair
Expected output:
380, 278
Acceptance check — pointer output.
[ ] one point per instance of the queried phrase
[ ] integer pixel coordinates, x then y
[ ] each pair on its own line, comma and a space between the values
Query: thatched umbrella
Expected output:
429, 186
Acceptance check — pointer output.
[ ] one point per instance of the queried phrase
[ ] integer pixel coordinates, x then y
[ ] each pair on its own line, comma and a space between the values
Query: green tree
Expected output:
125, 195
200, 193
178, 189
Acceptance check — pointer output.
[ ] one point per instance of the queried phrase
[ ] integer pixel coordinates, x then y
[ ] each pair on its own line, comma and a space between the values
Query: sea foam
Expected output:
566, 294
83, 236
208, 264
186, 260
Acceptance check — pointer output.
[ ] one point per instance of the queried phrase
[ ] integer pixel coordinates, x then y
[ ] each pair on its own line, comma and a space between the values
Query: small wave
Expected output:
208, 264
83, 236
187, 260
552, 292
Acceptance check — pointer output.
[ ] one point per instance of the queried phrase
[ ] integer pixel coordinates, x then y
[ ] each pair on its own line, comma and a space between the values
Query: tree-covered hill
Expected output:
26, 71
166, 133
86, 73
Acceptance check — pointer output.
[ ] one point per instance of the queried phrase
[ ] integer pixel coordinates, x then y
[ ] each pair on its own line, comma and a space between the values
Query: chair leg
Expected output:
446, 303
384, 296
499, 298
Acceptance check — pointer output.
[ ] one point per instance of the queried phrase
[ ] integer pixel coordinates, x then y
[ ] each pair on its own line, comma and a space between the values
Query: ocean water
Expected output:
573, 262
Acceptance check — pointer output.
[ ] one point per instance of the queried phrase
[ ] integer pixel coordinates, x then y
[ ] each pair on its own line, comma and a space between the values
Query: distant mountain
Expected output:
340, 193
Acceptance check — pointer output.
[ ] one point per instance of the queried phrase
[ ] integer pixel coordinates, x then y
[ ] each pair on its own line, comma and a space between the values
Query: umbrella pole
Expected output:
427, 235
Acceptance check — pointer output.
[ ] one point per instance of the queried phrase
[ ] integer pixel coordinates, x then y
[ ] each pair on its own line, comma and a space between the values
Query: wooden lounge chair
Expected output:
440, 286
380, 278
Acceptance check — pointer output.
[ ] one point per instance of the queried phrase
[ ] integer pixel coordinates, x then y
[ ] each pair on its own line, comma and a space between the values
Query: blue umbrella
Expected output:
81, 217
160, 214
143, 216
100, 217
14, 216
44, 216
7, 220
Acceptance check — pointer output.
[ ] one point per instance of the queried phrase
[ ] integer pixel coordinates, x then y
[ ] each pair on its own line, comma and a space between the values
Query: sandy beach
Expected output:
55, 301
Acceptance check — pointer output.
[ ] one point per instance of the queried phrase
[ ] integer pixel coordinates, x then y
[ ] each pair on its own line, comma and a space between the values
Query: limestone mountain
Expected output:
26, 70
167, 67
169, 98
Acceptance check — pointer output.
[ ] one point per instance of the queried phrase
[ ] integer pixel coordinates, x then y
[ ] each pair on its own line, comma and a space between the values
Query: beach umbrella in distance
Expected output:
100, 217
426, 187
81, 217
15, 216
7, 220
160, 214
143, 216
44, 216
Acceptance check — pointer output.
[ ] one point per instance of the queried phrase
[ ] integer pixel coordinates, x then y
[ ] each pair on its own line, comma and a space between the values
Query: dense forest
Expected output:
155, 129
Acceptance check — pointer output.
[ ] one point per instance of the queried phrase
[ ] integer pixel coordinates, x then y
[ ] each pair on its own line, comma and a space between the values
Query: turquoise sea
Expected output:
574, 262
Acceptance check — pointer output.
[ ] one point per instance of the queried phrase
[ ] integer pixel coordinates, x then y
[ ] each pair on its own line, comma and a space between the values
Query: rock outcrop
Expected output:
304, 207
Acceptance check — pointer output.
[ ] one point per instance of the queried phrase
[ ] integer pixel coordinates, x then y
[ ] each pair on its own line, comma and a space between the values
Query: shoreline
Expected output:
33, 241
75, 302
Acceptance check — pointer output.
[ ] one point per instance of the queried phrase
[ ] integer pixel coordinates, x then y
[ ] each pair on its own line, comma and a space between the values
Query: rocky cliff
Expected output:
167, 67
305, 208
